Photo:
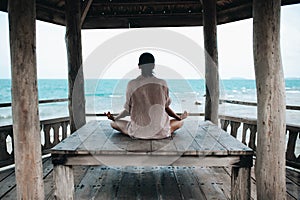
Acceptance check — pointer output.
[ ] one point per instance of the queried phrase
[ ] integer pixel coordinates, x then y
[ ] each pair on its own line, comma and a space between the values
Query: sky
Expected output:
235, 54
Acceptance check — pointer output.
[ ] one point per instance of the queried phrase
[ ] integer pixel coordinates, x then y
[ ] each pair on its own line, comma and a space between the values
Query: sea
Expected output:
186, 94
109, 95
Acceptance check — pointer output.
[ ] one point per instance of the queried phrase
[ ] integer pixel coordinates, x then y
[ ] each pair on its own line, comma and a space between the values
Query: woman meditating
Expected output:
147, 104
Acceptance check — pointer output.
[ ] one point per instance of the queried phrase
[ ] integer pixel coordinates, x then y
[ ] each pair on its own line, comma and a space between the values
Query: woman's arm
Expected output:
171, 113
124, 113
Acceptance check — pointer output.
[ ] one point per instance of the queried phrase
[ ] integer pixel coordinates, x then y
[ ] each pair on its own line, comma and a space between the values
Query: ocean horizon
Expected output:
186, 94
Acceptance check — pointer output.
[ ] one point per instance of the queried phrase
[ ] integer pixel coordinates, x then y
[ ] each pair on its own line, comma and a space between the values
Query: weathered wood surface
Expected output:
26, 125
195, 138
75, 71
270, 86
63, 182
105, 182
8, 184
195, 144
211, 60
240, 182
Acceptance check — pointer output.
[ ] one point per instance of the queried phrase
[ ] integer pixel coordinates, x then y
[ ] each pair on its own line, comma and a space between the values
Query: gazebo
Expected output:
101, 14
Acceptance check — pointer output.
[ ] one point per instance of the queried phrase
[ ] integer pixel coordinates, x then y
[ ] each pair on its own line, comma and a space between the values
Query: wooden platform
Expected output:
196, 144
146, 183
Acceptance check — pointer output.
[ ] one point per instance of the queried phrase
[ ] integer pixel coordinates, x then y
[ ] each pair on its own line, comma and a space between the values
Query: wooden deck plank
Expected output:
293, 176
148, 185
166, 184
129, 185
292, 189
139, 146
222, 179
165, 146
187, 183
110, 183
72, 142
8, 186
5, 173
90, 184
207, 183
184, 139
95, 141
226, 140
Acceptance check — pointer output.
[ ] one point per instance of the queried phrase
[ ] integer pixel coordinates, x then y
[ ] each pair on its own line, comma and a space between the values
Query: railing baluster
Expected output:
47, 136
224, 124
253, 132
290, 151
56, 133
234, 128
4, 155
244, 134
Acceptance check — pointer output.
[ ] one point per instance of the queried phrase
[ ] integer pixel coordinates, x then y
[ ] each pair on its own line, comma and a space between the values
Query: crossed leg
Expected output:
122, 125
175, 124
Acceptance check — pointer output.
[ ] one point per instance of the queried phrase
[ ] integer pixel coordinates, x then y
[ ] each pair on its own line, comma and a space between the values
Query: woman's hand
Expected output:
109, 116
184, 115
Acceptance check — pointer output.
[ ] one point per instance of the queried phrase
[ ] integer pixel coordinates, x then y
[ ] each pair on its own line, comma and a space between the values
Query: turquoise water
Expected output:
109, 94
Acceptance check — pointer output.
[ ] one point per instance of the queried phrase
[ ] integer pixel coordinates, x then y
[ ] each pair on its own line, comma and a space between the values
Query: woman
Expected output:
147, 104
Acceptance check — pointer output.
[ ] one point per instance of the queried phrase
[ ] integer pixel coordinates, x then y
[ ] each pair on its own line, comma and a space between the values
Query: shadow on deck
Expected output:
146, 183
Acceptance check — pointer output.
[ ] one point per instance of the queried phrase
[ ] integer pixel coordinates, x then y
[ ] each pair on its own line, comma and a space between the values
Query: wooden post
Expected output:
270, 152
211, 60
241, 183
26, 126
63, 182
74, 52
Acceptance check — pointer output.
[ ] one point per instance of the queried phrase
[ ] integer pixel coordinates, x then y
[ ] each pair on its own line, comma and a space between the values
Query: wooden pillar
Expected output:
241, 183
63, 182
75, 71
270, 152
26, 126
211, 60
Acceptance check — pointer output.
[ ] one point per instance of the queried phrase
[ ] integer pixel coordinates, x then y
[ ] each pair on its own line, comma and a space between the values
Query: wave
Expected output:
115, 96
293, 91
6, 116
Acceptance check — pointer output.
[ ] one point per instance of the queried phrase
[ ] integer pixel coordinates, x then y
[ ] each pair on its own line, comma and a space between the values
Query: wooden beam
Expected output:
26, 126
270, 86
237, 13
74, 52
85, 11
211, 60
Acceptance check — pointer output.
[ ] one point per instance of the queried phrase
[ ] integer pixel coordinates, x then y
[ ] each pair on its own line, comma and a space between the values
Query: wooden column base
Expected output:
64, 182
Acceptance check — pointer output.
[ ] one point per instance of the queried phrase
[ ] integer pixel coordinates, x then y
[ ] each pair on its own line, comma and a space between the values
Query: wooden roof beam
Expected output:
85, 11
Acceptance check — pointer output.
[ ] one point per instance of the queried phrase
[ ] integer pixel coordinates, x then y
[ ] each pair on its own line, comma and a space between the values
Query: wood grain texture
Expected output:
240, 183
63, 182
270, 86
211, 60
194, 138
75, 71
26, 125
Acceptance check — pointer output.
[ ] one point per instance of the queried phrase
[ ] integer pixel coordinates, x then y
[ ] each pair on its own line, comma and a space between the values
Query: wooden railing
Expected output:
52, 132
55, 130
247, 127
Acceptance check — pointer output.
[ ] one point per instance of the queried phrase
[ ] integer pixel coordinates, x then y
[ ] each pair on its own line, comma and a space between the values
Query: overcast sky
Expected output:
234, 49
